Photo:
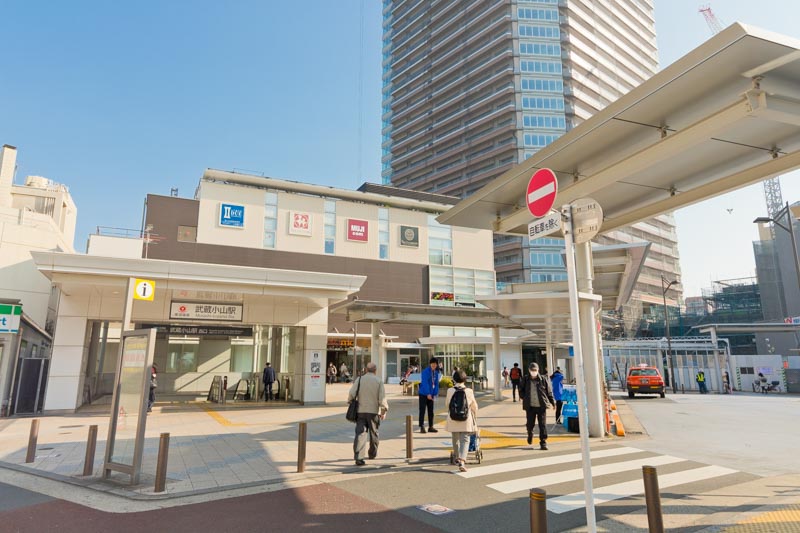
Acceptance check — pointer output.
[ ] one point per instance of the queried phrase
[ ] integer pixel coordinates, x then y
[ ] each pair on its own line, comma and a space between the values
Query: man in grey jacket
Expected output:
372, 408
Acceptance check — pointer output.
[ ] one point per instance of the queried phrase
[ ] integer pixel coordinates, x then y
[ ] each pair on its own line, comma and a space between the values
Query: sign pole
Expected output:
591, 521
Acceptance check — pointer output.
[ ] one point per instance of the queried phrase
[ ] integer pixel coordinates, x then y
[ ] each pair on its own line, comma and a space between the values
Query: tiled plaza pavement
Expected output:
245, 443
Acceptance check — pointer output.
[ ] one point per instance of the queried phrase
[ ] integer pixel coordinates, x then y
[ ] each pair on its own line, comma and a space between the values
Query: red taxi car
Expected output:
645, 379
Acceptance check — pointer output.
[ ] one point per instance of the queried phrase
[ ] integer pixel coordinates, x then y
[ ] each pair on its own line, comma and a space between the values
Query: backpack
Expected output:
459, 410
515, 373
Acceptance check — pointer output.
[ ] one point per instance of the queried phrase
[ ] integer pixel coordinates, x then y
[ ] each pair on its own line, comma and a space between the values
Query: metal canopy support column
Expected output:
376, 349
551, 361
717, 364
591, 359
498, 391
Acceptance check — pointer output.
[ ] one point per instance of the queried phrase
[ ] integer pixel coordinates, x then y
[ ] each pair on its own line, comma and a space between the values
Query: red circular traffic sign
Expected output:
541, 193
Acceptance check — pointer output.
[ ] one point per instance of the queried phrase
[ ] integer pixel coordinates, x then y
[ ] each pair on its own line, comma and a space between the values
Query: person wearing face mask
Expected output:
537, 397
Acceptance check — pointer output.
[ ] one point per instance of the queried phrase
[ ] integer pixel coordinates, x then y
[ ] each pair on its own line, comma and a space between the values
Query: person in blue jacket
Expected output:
557, 380
428, 390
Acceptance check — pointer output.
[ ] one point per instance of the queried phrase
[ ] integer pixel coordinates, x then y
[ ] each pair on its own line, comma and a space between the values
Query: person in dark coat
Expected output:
537, 397
268, 377
151, 398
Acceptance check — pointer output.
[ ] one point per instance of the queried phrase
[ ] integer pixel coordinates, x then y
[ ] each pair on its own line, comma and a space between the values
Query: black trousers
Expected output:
532, 414
559, 405
268, 391
425, 403
367, 426
515, 389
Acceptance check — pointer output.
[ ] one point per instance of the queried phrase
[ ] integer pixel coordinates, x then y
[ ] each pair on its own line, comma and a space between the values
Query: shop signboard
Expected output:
128, 418
223, 312
357, 230
409, 236
231, 215
300, 223
9, 318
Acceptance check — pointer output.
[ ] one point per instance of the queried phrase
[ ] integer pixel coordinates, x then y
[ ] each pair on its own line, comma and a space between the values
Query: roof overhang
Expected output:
724, 116
420, 314
775, 327
72, 271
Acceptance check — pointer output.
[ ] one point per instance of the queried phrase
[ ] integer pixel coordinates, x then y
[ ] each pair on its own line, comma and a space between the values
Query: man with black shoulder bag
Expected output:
367, 399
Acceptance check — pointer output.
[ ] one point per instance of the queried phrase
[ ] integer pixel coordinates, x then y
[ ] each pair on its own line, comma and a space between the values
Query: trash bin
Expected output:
569, 415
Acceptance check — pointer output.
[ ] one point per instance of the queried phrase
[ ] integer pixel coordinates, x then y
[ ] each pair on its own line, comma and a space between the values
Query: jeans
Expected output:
461, 444
531, 415
367, 426
151, 399
515, 389
559, 405
702, 386
425, 403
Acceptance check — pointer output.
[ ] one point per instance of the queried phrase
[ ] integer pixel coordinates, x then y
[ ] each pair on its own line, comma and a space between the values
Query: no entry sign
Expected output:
541, 193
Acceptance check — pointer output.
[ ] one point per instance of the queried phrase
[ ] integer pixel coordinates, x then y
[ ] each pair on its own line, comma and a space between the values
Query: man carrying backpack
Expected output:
461, 412
537, 397
516, 375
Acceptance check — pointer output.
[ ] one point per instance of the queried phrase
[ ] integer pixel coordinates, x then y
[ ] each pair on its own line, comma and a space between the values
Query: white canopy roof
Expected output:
722, 117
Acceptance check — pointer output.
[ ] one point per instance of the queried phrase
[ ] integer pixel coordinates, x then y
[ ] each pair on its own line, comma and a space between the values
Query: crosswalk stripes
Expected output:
523, 481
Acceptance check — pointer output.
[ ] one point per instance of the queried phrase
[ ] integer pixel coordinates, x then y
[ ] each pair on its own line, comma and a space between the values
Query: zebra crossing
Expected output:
624, 460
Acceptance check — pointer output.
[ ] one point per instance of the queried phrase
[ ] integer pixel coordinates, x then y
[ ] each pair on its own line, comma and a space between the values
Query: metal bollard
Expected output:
538, 511
683, 389
409, 438
653, 499
301, 447
91, 446
34, 436
161, 465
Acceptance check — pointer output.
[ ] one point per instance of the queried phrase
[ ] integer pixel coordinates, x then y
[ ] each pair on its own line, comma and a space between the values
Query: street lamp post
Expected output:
664, 288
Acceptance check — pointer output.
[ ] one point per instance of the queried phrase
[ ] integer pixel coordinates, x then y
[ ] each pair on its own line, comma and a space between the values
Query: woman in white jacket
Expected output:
461, 429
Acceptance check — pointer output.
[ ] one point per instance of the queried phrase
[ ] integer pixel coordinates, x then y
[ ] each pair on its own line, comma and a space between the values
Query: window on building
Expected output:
540, 49
440, 243
527, 30
182, 355
270, 219
543, 85
539, 141
330, 226
241, 355
549, 67
539, 102
537, 14
187, 233
383, 232
544, 121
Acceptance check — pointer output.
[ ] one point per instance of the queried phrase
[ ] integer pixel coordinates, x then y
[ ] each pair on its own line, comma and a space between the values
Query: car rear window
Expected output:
644, 372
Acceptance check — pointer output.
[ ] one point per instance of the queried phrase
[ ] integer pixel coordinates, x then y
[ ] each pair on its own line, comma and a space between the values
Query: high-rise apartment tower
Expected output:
471, 88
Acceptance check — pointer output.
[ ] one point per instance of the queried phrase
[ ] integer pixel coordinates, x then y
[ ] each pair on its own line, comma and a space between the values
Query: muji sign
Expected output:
357, 230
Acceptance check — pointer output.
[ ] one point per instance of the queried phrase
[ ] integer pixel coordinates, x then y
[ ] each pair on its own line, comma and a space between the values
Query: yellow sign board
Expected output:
144, 289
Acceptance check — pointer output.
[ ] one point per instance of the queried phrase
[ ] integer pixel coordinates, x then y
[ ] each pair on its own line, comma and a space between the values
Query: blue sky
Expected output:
117, 100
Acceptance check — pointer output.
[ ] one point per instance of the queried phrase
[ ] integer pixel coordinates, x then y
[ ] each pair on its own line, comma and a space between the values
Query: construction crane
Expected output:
772, 186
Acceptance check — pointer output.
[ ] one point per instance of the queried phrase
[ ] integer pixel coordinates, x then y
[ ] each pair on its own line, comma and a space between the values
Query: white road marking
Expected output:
545, 461
527, 483
541, 192
576, 500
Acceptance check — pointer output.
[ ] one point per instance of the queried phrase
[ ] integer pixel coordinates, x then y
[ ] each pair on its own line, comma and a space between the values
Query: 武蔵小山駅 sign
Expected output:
226, 312
409, 236
10, 315
357, 230
300, 223
231, 215
144, 289
541, 227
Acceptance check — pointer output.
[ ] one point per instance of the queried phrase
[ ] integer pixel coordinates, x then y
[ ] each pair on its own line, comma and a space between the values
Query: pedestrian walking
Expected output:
462, 410
726, 382
516, 375
428, 390
762, 383
557, 380
331, 373
537, 397
372, 408
268, 377
700, 378
151, 398
505, 377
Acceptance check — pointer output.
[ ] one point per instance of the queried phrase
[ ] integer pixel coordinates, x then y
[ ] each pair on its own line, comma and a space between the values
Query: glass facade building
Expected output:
472, 88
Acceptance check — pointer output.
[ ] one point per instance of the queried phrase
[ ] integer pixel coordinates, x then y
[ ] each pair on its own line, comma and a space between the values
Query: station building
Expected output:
245, 273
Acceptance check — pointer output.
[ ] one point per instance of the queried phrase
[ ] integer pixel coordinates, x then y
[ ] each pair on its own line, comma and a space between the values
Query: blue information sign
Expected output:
231, 215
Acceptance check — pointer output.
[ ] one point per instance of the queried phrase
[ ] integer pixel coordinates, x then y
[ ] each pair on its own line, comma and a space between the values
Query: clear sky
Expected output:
117, 100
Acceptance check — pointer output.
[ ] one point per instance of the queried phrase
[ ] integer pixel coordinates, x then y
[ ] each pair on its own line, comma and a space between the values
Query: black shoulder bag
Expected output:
352, 408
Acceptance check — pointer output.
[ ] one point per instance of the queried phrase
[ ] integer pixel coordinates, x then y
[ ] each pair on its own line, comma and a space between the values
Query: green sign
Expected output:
9, 318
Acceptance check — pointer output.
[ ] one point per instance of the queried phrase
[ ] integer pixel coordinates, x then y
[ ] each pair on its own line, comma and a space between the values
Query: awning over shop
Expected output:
71, 271
722, 117
755, 327
420, 314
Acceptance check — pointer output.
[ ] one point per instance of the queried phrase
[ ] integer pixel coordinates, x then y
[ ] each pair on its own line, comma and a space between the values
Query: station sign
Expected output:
226, 312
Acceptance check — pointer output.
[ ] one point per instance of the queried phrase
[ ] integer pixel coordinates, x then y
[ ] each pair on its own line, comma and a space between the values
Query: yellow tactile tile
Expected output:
785, 520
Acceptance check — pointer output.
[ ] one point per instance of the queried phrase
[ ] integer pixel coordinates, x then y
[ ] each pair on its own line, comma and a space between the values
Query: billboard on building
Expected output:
357, 230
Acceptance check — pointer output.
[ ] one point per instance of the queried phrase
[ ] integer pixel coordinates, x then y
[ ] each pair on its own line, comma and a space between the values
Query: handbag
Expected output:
352, 407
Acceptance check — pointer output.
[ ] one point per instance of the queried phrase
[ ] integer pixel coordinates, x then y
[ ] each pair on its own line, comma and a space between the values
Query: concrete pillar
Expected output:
377, 351
717, 364
591, 356
8, 164
551, 360
497, 383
